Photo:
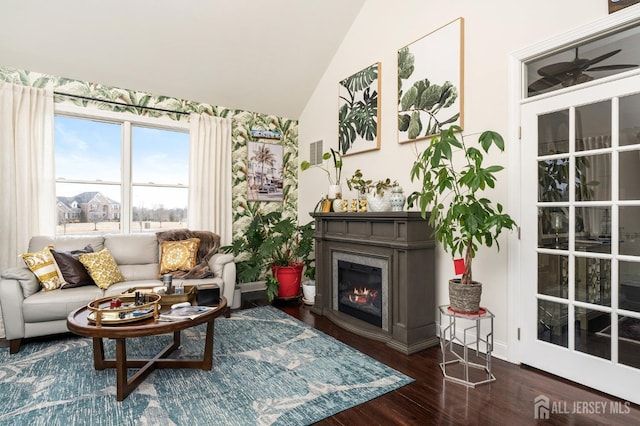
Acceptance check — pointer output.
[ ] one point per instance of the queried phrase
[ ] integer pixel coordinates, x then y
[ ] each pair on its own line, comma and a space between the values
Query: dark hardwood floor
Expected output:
432, 400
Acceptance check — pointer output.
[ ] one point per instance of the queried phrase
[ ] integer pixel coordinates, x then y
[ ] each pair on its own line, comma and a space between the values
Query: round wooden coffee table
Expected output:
78, 323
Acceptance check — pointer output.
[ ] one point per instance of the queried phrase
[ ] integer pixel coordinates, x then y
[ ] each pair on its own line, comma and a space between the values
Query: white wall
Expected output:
493, 29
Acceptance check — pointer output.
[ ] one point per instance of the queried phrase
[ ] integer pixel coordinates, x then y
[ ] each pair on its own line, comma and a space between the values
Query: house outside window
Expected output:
117, 172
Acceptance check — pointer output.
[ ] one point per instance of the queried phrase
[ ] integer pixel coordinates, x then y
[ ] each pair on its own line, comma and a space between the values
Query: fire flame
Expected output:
363, 295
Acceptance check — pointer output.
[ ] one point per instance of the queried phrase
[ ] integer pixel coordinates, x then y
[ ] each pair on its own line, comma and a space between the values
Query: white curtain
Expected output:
210, 183
27, 187
27, 169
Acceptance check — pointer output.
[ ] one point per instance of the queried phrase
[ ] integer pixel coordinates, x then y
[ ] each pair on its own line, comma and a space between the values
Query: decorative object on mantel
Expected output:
360, 185
379, 196
359, 111
335, 187
430, 90
377, 193
468, 218
397, 198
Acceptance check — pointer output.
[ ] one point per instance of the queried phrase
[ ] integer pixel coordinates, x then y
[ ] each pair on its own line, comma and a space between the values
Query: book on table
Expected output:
185, 312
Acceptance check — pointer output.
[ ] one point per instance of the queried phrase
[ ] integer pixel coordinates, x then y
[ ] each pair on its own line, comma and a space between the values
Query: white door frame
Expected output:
517, 88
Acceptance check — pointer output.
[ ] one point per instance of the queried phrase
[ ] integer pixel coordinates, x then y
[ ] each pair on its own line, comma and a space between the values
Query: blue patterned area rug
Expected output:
269, 368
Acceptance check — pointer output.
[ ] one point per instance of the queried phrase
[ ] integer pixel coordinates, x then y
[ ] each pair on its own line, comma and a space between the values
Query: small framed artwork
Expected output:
264, 171
615, 5
430, 83
359, 111
265, 134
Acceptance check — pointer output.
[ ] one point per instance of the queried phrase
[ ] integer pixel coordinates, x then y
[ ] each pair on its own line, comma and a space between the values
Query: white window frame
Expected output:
127, 120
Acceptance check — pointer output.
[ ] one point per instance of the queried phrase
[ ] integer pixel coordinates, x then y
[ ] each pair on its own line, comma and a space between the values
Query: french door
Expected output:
580, 248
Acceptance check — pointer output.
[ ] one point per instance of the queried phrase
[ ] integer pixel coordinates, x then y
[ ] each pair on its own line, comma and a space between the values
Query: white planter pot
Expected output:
335, 191
377, 203
309, 292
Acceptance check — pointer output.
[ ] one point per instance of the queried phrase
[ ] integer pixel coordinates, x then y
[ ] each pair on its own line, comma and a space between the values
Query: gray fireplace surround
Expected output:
403, 242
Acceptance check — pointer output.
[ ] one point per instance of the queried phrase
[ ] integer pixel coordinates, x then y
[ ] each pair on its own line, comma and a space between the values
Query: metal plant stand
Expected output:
450, 322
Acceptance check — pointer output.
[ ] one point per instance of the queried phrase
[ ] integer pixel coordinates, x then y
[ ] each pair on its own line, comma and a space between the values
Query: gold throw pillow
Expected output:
43, 266
178, 255
102, 268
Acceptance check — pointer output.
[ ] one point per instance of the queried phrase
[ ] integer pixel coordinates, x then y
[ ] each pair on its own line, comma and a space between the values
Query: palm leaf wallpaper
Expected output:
243, 123
430, 82
359, 111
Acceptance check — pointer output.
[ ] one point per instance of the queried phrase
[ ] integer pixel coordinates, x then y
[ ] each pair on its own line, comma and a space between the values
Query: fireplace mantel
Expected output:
404, 240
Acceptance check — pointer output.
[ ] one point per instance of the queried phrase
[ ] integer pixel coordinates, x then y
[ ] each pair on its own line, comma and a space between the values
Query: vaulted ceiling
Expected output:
257, 55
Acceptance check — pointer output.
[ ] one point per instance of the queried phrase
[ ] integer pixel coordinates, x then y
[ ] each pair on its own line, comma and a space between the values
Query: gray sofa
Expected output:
30, 312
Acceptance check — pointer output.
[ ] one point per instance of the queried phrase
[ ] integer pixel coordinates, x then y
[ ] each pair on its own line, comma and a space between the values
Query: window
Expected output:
119, 173
591, 59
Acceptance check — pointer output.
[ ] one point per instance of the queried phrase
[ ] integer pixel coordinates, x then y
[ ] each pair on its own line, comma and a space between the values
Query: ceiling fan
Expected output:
571, 73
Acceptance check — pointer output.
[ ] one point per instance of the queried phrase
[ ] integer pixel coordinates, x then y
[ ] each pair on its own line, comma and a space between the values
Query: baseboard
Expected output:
252, 286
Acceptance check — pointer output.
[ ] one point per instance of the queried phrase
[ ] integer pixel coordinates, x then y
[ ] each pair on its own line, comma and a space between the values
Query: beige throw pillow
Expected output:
102, 268
178, 255
43, 266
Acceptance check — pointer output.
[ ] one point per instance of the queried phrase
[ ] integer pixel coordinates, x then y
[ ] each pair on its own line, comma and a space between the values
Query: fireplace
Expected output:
375, 276
361, 287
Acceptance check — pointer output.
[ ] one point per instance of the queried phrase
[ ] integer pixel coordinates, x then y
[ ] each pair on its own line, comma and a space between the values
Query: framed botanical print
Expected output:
359, 111
430, 83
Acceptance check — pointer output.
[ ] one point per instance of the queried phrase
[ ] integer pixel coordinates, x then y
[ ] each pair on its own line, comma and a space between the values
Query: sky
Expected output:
91, 150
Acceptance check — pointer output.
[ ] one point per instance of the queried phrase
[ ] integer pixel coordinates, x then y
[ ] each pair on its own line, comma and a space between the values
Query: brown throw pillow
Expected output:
72, 270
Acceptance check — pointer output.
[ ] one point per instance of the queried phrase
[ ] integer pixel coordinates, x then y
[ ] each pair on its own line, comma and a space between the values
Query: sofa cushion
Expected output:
140, 272
43, 266
178, 255
102, 268
73, 272
67, 242
132, 249
57, 304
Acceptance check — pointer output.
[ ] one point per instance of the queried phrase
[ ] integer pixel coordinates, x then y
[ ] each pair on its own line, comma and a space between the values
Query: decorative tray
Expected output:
189, 295
101, 310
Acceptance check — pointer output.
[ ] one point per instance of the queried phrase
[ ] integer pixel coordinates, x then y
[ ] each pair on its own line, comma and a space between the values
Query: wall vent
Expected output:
315, 152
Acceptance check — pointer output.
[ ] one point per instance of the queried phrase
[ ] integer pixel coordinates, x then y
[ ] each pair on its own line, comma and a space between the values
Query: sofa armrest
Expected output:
223, 266
11, 298
27, 279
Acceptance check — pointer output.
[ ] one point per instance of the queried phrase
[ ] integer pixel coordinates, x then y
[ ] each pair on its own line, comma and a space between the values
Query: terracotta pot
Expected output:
289, 279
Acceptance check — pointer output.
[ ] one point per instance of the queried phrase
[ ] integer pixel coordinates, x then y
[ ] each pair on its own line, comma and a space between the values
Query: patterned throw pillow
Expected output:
178, 255
43, 266
102, 268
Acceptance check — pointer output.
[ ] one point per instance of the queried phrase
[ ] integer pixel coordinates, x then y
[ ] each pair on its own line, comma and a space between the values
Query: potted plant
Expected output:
309, 285
335, 187
286, 251
378, 199
246, 247
461, 217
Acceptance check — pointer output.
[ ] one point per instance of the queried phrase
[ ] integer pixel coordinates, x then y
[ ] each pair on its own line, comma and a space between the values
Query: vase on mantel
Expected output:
397, 199
378, 203
335, 191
